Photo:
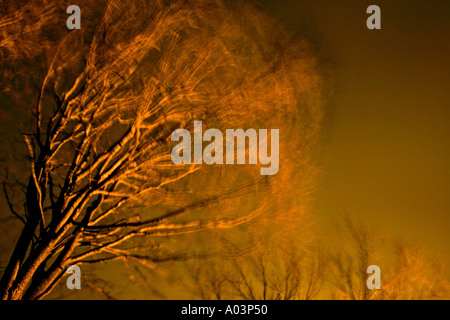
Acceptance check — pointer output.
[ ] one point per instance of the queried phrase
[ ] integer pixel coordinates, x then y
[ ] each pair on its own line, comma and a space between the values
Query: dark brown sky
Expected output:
389, 120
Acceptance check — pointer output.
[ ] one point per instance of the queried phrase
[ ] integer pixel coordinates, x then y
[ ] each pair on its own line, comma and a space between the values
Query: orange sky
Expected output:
389, 119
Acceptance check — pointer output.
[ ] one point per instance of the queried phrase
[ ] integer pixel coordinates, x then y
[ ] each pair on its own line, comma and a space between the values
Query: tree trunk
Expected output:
20, 251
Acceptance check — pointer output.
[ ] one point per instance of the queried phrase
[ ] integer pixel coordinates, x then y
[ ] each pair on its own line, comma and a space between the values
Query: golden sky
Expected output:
389, 118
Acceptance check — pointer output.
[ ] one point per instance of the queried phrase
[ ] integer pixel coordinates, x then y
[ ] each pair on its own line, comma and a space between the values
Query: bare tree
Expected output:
101, 185
417, 274
336, 269
270, 271
293, 275
349, 258
407, 271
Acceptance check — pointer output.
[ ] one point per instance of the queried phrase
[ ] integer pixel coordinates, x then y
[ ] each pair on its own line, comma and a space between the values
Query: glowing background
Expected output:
385, 150
389, 120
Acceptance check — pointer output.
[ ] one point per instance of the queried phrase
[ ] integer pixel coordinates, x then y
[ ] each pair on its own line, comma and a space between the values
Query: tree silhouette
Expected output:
101, 185
271, 272
304, 268
407, 271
